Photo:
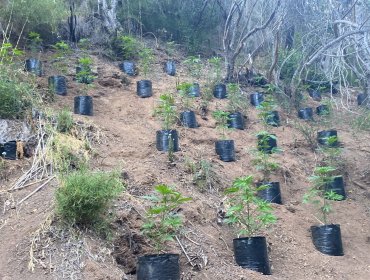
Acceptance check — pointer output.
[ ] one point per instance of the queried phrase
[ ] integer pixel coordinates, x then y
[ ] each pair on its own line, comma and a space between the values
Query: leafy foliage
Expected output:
247, 210
85, 75
222, 118
216, 64
237, 101
265, 109
64, 121
146, 59
166, 110
318, 194
186, 99
264, 163
128, 47
163, 221
194, 66
85, 197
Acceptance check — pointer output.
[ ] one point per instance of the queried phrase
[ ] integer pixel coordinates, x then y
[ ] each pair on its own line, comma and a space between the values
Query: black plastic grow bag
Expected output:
251, 253
322, 137
166, 139
315, 94
170, 67
266, 143
58, 84
306, 114
225, 150
236, 120
271, 194
188, 119
9, 150
194, 90
144, 88
34, 65
362, 99
273, 118
220, 91
322, 110
83, 105
158, 267
128, 67
327, 239
337, 186
256, 99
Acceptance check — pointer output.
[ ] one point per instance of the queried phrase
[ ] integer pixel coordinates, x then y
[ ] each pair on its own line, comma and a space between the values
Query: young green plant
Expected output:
237, 101
222, 118
162, 221
216, 64
264, 163
187, 100
319, 195
194, 66
247, 211
85, 75
146, 59
166, 111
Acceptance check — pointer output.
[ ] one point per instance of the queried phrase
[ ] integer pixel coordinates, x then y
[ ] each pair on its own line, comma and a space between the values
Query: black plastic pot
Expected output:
236, 120
315, 94
34, 65
128, 67
362, 99
322, 137
327, 239
144, 88
322, 110
220, 91
251, 253
83, 105
266, 143
273, 119
166, 139
170, 67
58, 84
337, 186
306, 114
256, 99
158, 267
271, 194
188, 119
225, 150
9, 150
194, 90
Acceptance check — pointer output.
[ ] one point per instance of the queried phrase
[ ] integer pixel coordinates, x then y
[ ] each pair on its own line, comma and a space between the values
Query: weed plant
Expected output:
237, 101
162, 221
222, 118
318, 194
85, 197
166, 111
146, 59
216, 65
246, 210
194, 66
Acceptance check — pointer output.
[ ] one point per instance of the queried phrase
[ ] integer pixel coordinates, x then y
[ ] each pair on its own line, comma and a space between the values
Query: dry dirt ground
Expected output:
129, 128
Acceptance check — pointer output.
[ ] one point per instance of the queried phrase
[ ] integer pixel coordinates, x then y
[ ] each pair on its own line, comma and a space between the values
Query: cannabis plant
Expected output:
166, 111
216, 64
319, 195
265, 112
186, 99
85, 75
265, 164
35, 42
237, 101
162, 221
246, 210
146, 59
194, 66
222, 118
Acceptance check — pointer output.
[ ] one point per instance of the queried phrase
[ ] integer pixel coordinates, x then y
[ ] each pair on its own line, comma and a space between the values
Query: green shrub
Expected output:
64, 121
85, 197
129, 47
17, 94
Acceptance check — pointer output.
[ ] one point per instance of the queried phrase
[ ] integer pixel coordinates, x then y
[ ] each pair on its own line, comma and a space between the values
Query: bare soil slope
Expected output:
129, 129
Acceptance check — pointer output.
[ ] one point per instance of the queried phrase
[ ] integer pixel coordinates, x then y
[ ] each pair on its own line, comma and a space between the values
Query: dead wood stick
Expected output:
36, 190
183, 249
360, 185
25, 186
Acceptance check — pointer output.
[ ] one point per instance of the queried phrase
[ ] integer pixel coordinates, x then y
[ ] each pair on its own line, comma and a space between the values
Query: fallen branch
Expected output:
183, 249
35, 191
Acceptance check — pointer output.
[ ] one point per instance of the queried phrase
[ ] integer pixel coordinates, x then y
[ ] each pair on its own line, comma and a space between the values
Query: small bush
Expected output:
64, 121
85, 197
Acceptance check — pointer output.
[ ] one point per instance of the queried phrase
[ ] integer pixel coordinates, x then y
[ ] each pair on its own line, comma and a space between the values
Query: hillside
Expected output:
126, 128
